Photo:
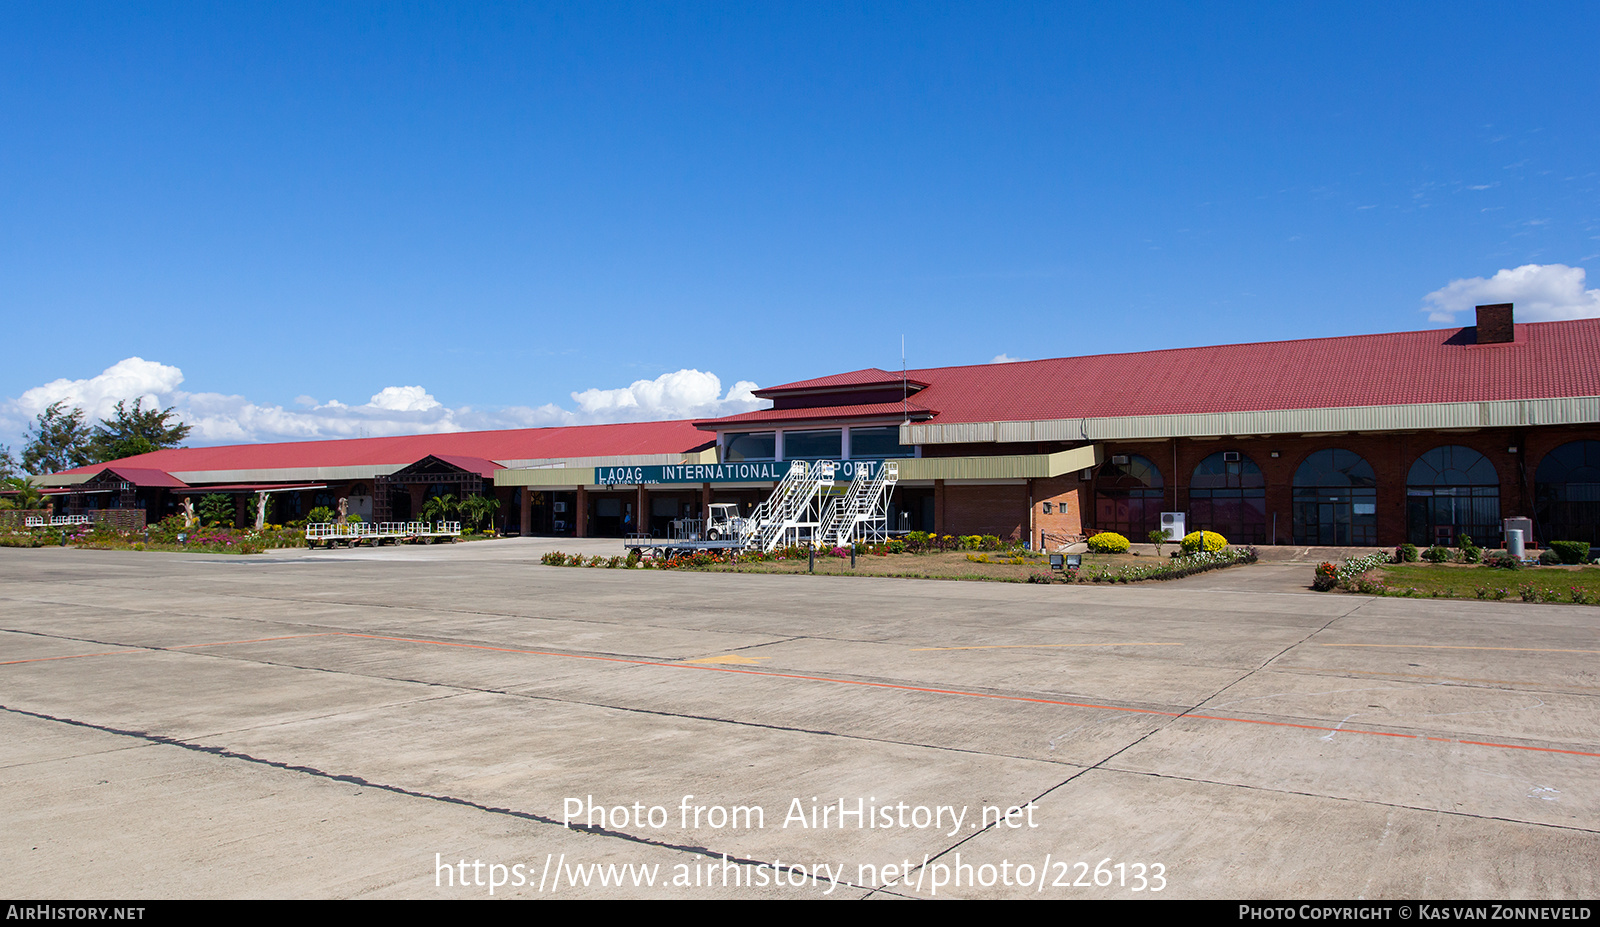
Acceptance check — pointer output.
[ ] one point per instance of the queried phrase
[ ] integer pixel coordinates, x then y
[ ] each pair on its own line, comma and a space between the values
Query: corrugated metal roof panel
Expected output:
383, 455
1548, 360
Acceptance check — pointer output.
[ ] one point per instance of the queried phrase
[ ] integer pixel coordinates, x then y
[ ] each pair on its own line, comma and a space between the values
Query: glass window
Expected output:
873, 443
1128, 496
1451, 491
1566, 493
813, 445
1335, 500
1227, 494
750, 446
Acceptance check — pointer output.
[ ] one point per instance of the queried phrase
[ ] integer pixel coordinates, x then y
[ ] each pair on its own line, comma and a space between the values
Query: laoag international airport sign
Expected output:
745, 472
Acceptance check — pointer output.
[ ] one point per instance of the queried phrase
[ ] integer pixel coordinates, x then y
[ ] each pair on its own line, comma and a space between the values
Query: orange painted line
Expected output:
1005, 698
258, 640
74, 656
830, 679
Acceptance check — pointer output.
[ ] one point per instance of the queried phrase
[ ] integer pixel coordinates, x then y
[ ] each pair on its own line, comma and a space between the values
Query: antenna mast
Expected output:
905, 390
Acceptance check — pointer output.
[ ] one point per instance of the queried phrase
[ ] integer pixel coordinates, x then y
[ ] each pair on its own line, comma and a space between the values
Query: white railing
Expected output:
39, 521
795, 504
864, 510
318, 532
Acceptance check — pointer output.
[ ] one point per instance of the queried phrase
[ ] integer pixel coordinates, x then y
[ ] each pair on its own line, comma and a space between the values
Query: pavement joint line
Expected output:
459, 690
1190, 713
1025, 646
224, 753
1346, 798
1529, 686
1461, 647
431, 609
74, 656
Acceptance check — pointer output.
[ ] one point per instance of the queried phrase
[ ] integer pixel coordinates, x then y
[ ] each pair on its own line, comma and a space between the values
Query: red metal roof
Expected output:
873, 410
144, 476
871, 376
478, 465
674, 437
1547, 360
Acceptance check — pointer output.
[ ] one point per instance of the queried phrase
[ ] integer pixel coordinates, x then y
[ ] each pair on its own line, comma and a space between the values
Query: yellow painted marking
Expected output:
1462, 647
729, 658
1016, 646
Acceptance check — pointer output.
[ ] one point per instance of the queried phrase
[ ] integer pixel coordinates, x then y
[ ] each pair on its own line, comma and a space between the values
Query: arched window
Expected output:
1566, 494
1127, 497
1335, 500
1451, 491
1228, 495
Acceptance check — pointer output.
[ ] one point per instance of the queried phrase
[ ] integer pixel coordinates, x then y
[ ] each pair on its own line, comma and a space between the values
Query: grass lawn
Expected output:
1474, 581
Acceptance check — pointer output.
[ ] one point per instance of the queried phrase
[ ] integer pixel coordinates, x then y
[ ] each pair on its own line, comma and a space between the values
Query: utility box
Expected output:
1172, 525
1518, 523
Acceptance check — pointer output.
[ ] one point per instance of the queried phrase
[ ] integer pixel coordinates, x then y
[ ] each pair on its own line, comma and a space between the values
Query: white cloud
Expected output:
1541, 292
1006, 359
680, 394
404, 399
130, 379
223, 419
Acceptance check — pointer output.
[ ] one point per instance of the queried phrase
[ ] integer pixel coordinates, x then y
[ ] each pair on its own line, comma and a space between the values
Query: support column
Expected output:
641, 516
525, 512
705, 501
938, 507
581, 517
1034, 532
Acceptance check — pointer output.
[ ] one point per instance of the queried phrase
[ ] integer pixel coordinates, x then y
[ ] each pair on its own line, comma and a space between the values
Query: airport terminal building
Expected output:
1361, 441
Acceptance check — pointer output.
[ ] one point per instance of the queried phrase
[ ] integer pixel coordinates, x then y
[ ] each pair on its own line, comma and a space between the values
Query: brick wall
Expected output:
998, 510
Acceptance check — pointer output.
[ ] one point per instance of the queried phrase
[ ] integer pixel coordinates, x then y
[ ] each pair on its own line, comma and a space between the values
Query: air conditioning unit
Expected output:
559, 525
560, 506
1230, 456
1119, 459
1172, 525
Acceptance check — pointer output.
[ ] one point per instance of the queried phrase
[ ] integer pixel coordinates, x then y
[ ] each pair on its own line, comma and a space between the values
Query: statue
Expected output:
344, 509
261, 510
188, 513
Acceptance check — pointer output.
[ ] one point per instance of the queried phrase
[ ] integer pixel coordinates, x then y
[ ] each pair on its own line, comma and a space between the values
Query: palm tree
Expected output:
439, 508
21, 494
478, 509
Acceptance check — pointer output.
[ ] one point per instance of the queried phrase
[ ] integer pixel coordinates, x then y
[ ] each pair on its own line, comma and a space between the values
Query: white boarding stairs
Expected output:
793, 505
864, 510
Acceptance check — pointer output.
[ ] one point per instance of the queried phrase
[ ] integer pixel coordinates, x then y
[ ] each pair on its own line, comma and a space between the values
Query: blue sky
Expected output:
320, 220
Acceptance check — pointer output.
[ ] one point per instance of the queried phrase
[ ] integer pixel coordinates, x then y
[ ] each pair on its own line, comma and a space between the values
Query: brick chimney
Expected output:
1495, 324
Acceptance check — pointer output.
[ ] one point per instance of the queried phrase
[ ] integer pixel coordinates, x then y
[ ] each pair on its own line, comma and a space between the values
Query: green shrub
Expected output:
1436, 554
1470, 552
1407, 553
1571, 551
1108, 542
1502, 561
1549, 557
216, 509
1196, 541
